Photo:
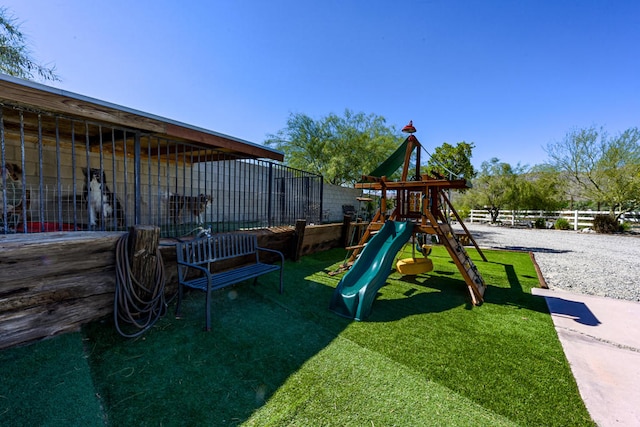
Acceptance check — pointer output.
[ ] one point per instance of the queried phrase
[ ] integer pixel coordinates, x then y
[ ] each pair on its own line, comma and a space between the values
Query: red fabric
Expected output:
47, 227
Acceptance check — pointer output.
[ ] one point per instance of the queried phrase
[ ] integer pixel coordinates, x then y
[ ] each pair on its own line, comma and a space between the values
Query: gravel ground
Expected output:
588, 263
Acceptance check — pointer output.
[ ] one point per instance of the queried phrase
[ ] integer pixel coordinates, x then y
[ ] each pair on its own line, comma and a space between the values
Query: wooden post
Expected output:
143, 246
346, 226
301, 224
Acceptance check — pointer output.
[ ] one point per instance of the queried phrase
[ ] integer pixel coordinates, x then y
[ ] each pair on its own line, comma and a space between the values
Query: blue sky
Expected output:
510, 76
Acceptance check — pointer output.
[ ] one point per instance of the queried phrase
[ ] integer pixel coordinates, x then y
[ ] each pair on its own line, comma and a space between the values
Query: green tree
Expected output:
501, 186
577, 155
603, 169
620, 172
341, 149
540, 188
453, 162
495, 188
15, 58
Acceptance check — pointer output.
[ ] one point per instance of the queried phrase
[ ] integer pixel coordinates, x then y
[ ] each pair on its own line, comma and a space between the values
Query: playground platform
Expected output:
601, 340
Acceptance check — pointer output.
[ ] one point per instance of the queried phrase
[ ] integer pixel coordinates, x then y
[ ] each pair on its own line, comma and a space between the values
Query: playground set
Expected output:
421, 202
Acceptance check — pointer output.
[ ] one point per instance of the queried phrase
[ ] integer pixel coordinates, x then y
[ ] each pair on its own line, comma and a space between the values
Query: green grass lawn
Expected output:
425, 356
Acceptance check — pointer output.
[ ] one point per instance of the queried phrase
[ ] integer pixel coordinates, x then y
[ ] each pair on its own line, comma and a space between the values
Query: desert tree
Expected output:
495, 188
15, 57
604, 169
452, 162
540, 188
340, 148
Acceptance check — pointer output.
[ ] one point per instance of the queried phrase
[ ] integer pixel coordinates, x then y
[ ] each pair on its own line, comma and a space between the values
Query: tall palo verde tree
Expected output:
340, 148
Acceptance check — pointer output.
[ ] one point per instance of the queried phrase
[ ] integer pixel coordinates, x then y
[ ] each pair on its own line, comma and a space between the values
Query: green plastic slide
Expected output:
357, 289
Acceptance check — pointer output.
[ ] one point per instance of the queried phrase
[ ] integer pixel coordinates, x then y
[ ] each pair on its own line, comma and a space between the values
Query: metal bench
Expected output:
201, 255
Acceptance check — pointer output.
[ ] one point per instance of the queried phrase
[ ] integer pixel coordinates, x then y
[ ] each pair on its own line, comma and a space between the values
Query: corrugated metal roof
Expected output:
56, 100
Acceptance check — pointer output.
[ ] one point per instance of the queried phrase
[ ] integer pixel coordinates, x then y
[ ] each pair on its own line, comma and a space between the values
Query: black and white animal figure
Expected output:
103, 204
194, 205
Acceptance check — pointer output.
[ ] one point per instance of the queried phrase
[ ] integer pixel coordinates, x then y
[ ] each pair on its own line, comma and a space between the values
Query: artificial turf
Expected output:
425, 356
48, 384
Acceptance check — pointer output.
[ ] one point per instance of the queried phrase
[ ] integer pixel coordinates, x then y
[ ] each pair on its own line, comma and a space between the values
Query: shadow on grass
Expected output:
441, 291
515, 294
426, 294
178, 374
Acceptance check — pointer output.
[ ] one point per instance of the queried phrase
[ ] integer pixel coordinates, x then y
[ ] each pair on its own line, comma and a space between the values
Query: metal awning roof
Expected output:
44, 98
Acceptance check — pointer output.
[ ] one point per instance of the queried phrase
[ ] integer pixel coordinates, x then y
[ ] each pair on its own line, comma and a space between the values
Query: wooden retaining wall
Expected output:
52, 283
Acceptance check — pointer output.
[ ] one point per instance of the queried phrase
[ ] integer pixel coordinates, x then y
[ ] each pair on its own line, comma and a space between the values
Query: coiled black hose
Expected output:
134, 304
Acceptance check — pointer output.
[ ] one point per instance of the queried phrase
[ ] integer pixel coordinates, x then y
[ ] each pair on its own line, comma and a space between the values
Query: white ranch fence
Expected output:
579, 219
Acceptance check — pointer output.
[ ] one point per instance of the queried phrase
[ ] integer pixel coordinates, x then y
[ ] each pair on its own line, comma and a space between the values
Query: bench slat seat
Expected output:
202, 254
230, 277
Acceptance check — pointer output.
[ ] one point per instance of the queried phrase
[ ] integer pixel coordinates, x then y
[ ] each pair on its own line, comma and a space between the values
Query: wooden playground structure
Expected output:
421, 199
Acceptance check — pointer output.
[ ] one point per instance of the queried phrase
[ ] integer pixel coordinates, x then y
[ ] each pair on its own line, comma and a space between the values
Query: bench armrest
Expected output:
273, 251
281, 287
197, 267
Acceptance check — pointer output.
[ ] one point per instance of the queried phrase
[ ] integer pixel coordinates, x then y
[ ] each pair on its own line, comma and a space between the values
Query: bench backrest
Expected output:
217, 247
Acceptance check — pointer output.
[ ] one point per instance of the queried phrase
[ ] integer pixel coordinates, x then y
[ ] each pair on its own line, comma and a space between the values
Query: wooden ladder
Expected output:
467, 268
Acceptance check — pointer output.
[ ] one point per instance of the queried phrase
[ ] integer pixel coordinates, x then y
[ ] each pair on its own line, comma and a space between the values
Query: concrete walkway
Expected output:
601, 340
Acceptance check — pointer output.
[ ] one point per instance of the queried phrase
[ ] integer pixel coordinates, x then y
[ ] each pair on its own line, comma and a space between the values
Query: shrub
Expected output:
464, 212
540, 223
605, 224
562, 224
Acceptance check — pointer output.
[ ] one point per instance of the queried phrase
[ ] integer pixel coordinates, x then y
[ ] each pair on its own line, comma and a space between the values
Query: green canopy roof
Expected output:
389, 166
